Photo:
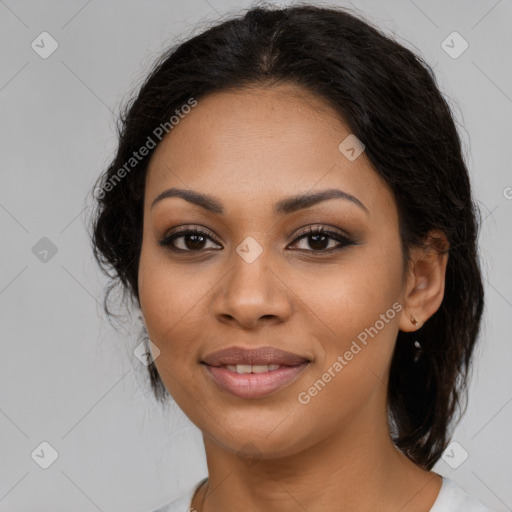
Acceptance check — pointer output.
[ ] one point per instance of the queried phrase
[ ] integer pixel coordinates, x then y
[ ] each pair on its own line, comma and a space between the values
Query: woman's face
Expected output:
256, 278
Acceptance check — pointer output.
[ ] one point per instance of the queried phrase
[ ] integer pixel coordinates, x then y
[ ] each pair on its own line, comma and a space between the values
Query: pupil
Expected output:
196, 243
322, 242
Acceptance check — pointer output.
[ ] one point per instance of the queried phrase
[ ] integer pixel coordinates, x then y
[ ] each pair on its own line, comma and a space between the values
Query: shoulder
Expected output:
183, 503
452, 498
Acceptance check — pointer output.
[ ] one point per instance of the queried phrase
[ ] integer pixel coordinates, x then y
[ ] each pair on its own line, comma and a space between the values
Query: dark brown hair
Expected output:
388, 97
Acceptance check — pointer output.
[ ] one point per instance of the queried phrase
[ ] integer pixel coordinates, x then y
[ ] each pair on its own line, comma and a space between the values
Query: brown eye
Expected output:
195, 240
319, 239
190, 240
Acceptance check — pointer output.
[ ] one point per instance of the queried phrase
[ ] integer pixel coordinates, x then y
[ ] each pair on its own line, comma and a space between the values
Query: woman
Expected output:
291, 212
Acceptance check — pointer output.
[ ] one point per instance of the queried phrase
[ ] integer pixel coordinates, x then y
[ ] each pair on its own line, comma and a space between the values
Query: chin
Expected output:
258, 438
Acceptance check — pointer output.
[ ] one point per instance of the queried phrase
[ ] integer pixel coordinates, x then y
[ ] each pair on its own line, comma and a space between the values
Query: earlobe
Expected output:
409, 323
424, 290
414, 321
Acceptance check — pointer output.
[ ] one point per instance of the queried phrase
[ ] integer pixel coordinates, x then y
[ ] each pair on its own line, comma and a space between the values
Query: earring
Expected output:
414, 321
418, 351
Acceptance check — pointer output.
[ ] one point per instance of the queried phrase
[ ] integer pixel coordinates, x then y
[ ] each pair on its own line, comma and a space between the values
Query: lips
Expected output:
254, 357
254, 373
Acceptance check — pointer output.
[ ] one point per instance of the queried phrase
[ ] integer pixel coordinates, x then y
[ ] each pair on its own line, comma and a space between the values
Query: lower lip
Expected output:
255, 385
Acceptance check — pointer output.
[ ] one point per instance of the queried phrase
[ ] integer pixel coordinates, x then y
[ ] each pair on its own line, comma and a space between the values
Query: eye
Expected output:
196, 240
193, 240
318, 238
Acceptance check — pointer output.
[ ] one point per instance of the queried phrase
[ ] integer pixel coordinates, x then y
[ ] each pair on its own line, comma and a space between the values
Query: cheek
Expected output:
167, 306
354, 313
169, 298
166, 291
356, 343
346, 299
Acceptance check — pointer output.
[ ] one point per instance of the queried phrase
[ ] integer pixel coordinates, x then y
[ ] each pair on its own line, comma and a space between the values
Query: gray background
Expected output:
67, 376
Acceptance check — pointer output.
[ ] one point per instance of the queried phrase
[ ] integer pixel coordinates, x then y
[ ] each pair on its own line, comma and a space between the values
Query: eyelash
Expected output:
168, 240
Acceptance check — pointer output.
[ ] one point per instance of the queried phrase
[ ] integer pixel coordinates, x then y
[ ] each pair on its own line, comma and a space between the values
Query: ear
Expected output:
425, 281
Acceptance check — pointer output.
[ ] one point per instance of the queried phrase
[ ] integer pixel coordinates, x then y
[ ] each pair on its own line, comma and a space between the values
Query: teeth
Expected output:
255, 368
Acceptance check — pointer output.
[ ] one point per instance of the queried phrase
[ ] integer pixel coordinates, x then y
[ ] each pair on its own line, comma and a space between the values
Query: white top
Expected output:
451, 498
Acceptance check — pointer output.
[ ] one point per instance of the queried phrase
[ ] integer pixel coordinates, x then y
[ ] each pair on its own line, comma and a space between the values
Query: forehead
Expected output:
262, 144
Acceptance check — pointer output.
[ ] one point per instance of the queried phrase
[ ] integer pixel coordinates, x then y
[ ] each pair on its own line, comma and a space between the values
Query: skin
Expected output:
249, 149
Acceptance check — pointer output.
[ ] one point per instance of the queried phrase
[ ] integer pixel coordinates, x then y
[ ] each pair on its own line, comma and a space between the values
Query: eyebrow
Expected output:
285, 206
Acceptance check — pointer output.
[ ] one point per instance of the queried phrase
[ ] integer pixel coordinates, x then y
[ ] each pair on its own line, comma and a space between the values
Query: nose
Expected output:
252, 293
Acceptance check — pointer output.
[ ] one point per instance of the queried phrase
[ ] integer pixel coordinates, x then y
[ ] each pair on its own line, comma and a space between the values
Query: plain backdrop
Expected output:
67, 377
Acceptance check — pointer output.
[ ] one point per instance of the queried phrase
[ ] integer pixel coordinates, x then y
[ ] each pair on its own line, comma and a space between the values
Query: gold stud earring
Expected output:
414, 321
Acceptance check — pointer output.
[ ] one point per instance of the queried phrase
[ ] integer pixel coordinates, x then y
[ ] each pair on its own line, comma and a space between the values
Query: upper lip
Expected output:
255, 356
